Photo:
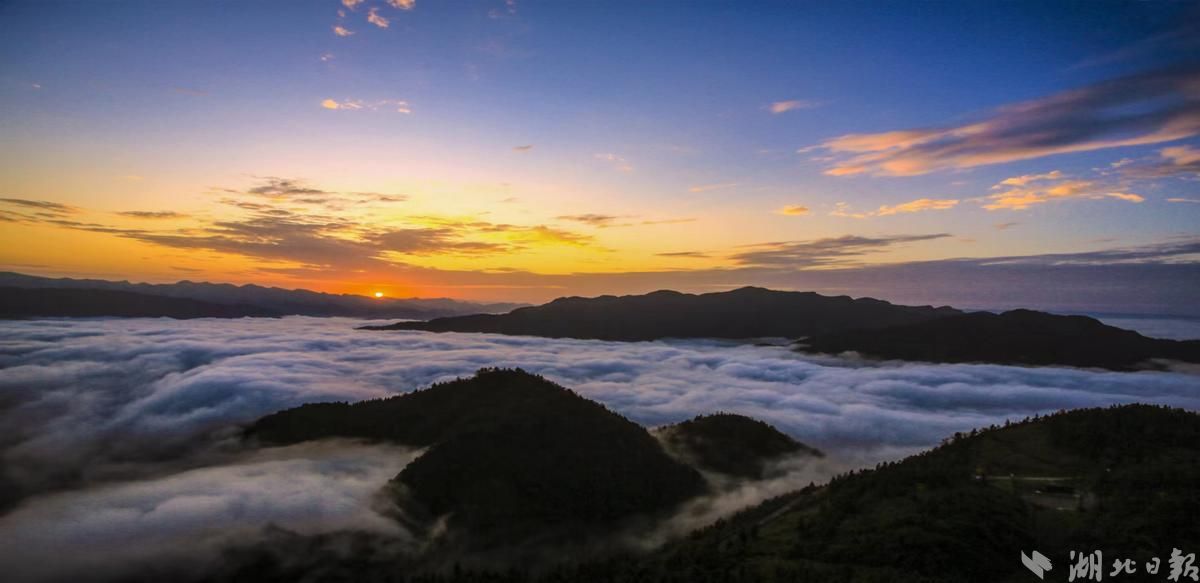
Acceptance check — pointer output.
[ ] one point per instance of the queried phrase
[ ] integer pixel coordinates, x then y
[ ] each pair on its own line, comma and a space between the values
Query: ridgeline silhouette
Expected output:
749, 312
1022, 337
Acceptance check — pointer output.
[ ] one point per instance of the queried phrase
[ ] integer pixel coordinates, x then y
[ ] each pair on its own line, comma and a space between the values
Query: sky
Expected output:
969, 153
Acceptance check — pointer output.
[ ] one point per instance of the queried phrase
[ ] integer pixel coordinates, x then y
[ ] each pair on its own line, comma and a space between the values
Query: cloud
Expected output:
823, 252
593, 219
1146, 108
1027, 178
374, 18
525, 148
1022, 192
1173, 162
1006, 226
352, 4
342, 31
1186, 200
793, 210
685, 254
183, 520
432, 241
396, 105
916, 206
779, 107
403, 4
81, 409
122, 450
152, 214
843, 209
708, 187
618, 163
40, 205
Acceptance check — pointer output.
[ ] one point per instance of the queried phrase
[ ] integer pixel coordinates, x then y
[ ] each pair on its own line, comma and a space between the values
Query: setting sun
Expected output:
379, 294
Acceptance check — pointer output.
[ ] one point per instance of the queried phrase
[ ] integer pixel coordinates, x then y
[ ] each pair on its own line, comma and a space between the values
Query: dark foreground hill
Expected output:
78, 303
743, 313
269, 300
511, 457
731, 444
1122, 481
1022, 337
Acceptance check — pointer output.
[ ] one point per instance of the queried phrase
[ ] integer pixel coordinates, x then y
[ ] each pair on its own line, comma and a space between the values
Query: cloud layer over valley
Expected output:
122, 434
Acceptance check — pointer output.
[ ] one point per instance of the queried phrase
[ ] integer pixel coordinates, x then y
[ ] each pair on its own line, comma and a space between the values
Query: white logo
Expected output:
1039, 564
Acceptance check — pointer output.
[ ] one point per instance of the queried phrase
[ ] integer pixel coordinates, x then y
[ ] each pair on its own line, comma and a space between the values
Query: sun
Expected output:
379, 294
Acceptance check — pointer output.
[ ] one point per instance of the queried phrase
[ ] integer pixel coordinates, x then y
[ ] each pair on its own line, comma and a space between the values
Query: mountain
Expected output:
77, 303
511, 457
1022, 337
748, 312
276, 301
1121, 480
731, 444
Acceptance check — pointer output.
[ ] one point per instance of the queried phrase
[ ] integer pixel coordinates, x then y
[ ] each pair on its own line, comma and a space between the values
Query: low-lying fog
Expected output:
119, 436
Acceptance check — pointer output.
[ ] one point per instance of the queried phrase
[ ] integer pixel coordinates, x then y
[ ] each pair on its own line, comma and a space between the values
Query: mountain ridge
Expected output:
275, 300
1016, 337
748, 312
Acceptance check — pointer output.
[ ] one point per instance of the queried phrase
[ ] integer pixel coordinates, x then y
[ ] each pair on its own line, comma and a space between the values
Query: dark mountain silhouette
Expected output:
748, 312
1022, 337
1122, 480
275, 300
731, 444
51, 302
511, 457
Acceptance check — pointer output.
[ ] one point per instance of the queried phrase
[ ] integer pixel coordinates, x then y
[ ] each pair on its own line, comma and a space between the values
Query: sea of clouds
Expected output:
121, 434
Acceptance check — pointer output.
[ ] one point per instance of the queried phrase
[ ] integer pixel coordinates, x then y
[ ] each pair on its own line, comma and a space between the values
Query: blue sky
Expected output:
518, 144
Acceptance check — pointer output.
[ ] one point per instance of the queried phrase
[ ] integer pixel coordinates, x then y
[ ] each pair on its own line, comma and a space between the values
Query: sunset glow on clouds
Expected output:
483, 151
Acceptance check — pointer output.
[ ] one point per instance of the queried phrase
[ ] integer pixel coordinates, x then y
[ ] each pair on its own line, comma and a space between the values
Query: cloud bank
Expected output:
120, 447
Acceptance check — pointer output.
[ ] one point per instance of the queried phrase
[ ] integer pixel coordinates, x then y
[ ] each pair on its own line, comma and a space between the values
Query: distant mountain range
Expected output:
519, 465
834, 325
1021, 337
216, 300
749, 312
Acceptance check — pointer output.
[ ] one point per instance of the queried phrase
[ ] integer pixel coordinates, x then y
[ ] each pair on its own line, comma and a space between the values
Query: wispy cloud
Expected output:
1184, 200
1006, 226
152, 214
403, 4
352, 4
1176, 161
342, 31
779, 107
844, 210
792, 210
618, 163
685, 254
916, 206
708, 187
40, 205
525, 148
1022, 192
395, 105
374, 18
836, 251
594, 219
1147, 108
